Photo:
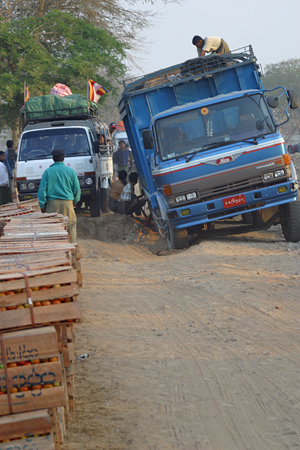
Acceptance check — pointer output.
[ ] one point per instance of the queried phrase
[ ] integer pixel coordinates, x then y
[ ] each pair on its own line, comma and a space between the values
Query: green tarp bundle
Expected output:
48, 106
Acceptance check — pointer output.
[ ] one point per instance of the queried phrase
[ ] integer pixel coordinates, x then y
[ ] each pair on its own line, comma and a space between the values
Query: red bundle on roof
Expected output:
61, 90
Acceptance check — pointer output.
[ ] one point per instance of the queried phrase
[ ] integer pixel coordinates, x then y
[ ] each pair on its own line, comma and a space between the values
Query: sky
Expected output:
270, 26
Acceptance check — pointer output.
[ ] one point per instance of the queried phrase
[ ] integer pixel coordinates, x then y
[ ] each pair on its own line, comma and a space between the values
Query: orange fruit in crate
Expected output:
56, 285
20, 307
2, 294
3, 308
56, 301
23, 389
35, 361
68, 299
13, 390
46, 302
37, 304
53, 359
47, 386
10, 293
11, 307
36, 387
12, 364
34, 288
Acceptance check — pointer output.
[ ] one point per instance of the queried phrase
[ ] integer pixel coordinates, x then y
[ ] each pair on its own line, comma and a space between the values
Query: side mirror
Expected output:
293, 99
147, 139
96, 147
273, 101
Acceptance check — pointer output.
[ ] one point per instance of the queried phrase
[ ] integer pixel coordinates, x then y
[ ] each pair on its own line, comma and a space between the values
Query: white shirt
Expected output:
211, 44
3, 175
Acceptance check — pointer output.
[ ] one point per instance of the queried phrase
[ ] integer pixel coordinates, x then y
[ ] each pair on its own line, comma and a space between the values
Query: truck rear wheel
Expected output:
95, 206
177, 239
291, 225
104, 200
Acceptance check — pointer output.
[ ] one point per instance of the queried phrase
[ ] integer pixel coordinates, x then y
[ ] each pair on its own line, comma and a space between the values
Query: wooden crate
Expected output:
31, 373
24, 252
51, 286
25, 424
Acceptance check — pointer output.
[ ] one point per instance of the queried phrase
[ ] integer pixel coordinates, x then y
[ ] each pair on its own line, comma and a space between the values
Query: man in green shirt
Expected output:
59, 190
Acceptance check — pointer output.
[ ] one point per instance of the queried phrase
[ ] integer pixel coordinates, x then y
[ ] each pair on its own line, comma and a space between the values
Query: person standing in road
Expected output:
5, 191
10, 154
212, 44
59, 190
120, 157
10, 169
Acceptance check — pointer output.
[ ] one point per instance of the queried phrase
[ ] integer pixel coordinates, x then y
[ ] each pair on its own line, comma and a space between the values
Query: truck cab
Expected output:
208, 147
79, 138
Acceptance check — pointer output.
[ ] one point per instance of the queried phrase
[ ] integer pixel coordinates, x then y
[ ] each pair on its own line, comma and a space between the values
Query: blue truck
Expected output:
208, 148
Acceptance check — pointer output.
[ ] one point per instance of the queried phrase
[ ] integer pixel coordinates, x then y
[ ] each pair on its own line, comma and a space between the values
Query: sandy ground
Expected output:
194, 349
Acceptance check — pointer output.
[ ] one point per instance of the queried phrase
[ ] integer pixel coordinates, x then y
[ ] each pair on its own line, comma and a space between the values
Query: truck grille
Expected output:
232, 188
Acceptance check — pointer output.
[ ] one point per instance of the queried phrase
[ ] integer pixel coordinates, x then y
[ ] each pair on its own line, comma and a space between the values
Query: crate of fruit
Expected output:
38, 297
31, 373
25, 431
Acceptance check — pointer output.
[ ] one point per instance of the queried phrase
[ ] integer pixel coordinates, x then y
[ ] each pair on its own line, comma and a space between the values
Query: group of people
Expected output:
122, 198
7, 167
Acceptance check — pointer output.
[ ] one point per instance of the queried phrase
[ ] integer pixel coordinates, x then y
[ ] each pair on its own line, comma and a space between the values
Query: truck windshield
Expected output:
39, 144
223, 123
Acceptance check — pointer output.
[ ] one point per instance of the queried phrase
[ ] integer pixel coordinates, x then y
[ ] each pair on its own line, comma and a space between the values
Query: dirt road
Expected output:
196, 349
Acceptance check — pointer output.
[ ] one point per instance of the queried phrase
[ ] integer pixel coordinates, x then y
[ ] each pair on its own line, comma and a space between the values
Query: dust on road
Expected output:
197, 349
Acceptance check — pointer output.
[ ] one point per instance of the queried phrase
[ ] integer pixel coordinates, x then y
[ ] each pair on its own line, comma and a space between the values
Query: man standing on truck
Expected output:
212, 44
59, 190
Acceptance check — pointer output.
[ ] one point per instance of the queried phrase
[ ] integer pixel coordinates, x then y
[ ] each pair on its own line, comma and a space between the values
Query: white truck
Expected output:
70, 123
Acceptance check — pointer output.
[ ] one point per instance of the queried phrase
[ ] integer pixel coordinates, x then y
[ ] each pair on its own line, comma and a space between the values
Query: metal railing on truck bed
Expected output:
196, 66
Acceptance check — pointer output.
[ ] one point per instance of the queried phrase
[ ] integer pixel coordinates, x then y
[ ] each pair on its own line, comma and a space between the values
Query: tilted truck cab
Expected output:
207, 147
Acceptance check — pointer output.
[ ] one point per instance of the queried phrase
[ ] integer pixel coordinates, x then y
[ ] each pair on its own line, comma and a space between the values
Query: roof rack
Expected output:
190, 68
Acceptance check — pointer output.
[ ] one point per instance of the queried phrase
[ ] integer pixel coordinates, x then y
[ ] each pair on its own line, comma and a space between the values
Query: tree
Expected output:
287, 74
54, 48
110, 15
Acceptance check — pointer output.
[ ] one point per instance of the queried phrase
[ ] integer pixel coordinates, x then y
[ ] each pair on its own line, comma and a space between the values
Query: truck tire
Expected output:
95, 209
291, 224
104, 200
177, 239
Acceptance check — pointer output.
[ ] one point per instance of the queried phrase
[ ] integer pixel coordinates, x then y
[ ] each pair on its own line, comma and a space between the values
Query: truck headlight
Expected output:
191, 195
30, 186
23, 187
279, 173
180, 198
268, 176
88, 181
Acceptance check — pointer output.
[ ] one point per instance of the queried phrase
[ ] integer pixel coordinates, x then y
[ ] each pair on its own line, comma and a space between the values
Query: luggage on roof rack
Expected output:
51, 107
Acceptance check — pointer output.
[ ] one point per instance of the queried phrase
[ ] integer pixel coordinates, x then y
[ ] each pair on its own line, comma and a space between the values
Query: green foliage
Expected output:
56, 48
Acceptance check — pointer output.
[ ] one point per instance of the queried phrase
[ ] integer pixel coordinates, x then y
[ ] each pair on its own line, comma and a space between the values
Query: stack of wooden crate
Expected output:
40, 276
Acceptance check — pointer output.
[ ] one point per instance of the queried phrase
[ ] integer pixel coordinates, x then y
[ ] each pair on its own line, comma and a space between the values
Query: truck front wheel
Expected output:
104, 200
291, 221
177, 239
95, 206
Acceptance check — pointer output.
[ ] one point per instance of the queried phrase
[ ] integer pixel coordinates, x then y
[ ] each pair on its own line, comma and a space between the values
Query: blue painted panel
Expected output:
194, 91
140, 111
160, 100
248, 78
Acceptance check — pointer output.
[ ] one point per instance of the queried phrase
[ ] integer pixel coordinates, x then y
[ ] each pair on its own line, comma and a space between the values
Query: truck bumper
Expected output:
199, 213
90, 193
